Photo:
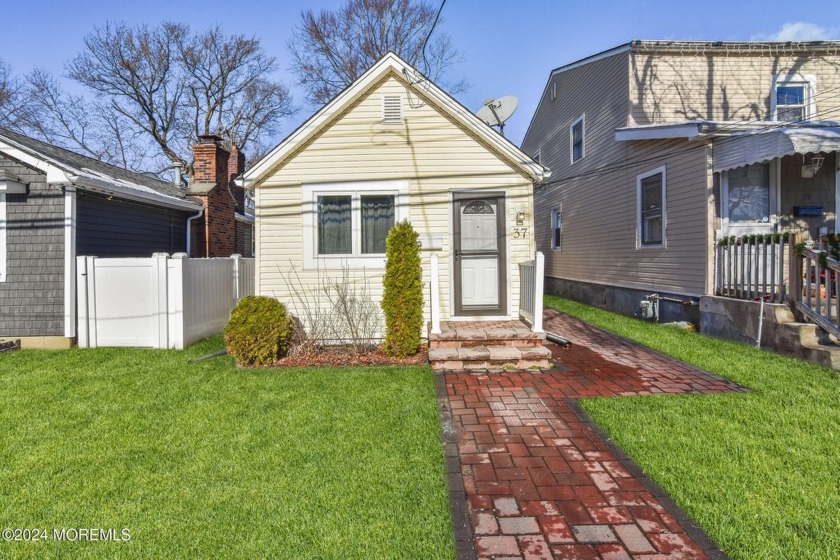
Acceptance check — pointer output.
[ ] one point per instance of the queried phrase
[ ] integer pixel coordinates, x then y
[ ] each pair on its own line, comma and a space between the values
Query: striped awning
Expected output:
768, 144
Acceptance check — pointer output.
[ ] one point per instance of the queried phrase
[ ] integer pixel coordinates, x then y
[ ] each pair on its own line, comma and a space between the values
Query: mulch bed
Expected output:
342, 356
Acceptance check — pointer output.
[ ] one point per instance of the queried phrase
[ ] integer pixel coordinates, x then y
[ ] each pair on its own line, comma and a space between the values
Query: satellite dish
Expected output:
496, 111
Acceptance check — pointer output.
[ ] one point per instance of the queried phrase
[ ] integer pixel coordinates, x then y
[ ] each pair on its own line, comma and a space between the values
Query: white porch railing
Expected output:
531, 287
158, 302
814, 288
753, 267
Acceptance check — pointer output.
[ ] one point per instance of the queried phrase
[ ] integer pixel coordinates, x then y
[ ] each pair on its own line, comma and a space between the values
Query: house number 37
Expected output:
520, 232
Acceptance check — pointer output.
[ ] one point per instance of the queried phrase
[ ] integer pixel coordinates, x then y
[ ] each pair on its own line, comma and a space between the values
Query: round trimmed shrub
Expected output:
259, 331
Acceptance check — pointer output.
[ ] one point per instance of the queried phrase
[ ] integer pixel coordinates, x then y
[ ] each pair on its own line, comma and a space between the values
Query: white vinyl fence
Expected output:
531, 287
158, 302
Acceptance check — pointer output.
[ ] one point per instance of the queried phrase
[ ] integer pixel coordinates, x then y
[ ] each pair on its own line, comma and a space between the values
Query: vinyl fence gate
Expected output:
157, 302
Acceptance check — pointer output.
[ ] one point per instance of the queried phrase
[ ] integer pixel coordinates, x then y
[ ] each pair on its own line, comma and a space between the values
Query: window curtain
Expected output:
334, 233
377, 221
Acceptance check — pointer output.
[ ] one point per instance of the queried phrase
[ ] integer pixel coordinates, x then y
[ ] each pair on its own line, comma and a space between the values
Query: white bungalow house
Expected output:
394, 146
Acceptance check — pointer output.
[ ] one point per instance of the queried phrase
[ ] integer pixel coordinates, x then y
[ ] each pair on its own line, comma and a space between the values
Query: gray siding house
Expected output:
56, 204
660, 148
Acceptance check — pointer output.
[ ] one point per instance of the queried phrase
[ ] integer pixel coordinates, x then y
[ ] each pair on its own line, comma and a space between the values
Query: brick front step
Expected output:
490, 358
478, 334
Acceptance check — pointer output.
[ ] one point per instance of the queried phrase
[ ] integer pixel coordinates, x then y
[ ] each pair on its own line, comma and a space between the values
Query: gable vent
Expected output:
392, 109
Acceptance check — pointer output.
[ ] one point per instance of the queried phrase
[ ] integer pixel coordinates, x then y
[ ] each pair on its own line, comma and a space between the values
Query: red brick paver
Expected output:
539, 482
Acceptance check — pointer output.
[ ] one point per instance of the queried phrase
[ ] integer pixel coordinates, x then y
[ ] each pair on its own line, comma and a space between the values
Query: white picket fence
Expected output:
158, 302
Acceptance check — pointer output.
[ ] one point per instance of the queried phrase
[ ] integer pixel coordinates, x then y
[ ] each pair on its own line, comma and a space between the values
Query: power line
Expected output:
428, 35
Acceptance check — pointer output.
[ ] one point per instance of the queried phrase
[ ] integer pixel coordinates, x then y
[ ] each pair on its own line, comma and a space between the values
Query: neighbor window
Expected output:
556, 227
350, 220
749, 193
554, 91
650, 228
576, 139
792, 98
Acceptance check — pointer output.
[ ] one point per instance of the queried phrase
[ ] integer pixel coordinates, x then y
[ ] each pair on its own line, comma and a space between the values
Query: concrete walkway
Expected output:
538, 478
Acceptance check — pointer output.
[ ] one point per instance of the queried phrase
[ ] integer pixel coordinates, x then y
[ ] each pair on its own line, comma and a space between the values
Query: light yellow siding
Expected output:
667, 87
435, 154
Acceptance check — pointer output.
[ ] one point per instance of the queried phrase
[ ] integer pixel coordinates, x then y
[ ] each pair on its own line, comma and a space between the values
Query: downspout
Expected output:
189, 230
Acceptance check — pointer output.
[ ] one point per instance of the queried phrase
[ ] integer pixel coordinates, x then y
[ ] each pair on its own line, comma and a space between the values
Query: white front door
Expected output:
479, 254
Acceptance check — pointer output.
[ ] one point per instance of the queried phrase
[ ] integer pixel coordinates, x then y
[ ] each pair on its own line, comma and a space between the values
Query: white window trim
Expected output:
639, 179
309, 207
582, 120
3, 237
556, 221
553, 91
809, 80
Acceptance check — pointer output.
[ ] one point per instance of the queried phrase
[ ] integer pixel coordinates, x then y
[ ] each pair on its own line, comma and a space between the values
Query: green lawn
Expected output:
205, 460
759, 471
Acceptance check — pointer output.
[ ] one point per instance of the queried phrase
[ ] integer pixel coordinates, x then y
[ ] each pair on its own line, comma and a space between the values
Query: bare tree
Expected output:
330, 49
14, 106
161, 87
89, 127
228, 89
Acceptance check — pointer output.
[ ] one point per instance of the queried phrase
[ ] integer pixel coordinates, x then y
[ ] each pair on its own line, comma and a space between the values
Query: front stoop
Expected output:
492, 346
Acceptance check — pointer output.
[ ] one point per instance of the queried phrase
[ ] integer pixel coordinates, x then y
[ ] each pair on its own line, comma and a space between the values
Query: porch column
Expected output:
435, 302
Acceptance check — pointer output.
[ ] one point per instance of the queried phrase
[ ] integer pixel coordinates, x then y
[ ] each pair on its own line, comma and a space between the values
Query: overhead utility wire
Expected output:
428, 35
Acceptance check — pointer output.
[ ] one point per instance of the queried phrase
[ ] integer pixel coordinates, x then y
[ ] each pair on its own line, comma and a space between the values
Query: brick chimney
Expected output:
215, 234
244, 226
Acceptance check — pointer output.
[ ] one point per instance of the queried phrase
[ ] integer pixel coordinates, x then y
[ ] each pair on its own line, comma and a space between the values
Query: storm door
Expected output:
479, 254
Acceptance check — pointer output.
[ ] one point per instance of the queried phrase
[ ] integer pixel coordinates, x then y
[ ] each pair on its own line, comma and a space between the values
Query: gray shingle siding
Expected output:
32, 297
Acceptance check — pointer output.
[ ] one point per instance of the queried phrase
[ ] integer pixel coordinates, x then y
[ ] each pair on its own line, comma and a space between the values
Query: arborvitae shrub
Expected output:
402, 300
258, 332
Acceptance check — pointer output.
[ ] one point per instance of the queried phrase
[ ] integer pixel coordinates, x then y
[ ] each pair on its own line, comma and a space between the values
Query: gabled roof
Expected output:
66, 167
393, 64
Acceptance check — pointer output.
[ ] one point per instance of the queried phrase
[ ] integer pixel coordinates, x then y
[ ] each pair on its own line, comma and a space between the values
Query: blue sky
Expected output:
508, 47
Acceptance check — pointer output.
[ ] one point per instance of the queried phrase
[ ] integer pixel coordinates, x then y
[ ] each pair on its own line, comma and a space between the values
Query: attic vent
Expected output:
392, 109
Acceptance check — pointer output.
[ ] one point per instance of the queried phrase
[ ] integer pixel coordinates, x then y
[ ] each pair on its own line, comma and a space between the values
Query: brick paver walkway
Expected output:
540, 482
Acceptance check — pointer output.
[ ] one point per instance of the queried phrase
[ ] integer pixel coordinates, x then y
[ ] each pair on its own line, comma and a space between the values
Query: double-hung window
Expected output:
793, 98
650, 219
347, 223
556, 228
576, 139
